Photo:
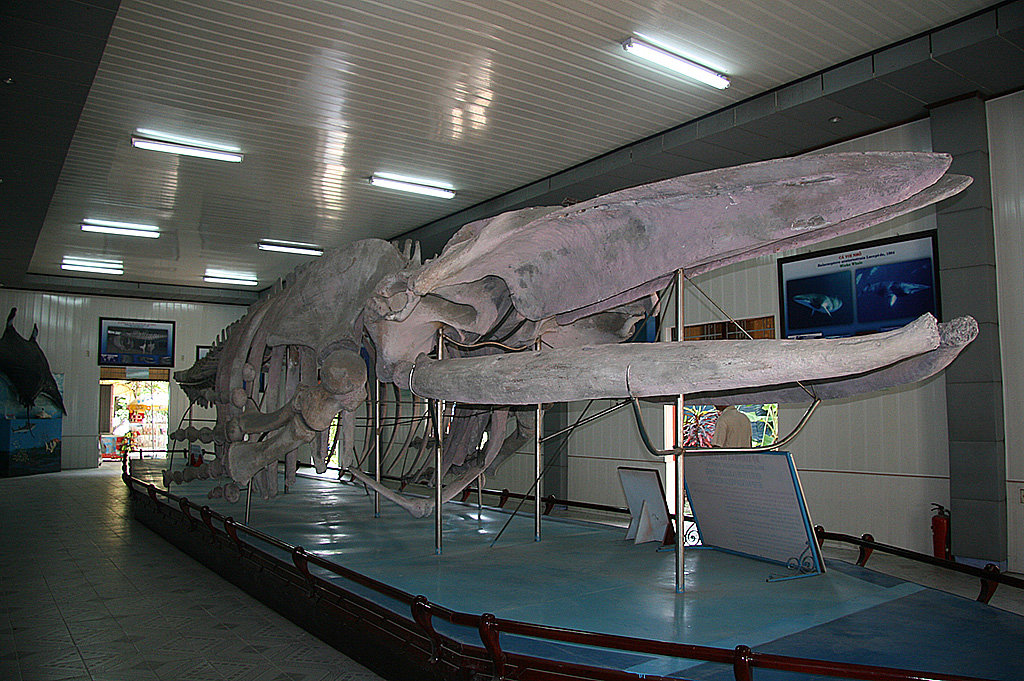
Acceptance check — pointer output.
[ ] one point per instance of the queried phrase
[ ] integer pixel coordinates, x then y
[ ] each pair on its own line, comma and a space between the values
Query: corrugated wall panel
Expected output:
1006, 145
597, 449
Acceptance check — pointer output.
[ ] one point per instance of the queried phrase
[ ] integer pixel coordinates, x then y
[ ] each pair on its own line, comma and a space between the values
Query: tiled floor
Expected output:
87, 593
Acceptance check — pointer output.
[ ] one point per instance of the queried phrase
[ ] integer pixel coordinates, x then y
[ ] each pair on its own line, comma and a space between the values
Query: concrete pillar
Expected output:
974, 395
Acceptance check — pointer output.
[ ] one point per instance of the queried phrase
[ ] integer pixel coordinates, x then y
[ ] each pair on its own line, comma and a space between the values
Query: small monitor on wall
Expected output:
870, 287
136, 342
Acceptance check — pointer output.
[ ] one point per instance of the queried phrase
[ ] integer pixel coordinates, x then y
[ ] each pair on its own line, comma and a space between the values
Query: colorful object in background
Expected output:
126, 443
699, 423
29, 446
764, 421
108, 447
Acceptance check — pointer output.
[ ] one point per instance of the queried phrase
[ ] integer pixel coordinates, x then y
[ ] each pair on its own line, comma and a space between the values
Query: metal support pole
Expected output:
376, 445
538, 469
439, 434
680, 490
248, 499
480, 497
538, 463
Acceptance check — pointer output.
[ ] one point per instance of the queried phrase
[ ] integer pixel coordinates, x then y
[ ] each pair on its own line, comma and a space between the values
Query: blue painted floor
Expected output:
586, 576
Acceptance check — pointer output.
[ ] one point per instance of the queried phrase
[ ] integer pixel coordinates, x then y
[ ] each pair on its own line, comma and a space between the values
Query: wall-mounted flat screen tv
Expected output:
870, 287
136, 343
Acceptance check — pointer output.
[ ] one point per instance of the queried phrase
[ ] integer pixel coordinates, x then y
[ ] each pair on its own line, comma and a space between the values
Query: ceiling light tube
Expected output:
226, 280
675, 62
120, 228
95, 266
289, 247
182, 149
223, 277
410, 184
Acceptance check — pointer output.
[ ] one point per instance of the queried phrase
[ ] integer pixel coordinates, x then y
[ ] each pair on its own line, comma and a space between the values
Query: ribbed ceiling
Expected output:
486, 95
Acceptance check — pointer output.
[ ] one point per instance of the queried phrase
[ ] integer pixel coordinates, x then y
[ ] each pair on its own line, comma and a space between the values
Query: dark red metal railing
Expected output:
446, 656
990, 575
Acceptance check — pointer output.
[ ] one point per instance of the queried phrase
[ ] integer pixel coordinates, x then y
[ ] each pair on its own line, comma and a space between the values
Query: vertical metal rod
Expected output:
480, 497
439, 433
248, 498
538, 470
376, 444
680, 490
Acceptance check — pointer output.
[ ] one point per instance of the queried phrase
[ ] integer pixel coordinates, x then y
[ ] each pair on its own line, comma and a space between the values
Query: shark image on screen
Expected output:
893, 294
822, 303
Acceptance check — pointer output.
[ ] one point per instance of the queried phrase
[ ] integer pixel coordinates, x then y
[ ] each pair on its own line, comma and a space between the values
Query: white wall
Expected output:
69, 336
1006, 156
596, 450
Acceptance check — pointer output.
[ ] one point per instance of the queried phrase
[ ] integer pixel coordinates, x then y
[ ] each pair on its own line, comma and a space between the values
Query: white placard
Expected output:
752, 504
646, 499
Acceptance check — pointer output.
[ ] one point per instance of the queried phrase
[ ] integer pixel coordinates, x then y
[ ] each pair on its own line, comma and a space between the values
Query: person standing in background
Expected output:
733, 429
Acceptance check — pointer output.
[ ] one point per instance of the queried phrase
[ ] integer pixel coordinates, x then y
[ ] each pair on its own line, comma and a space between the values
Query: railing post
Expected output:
489, 635
183, 505
988, 587
229, 527
301, 561
865, 551
207, 517
421, 614
549, 504
741, 660
151, 490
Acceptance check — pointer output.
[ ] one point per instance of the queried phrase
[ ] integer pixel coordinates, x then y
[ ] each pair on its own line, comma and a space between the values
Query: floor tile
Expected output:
87, 593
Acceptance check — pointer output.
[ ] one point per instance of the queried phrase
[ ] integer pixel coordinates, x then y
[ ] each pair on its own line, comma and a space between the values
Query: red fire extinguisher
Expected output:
940, 533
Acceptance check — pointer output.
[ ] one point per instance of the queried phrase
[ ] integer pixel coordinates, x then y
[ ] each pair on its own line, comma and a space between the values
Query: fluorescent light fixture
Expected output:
412, 184
225, 277
227, 280
678, 64
289, 247
172, 144
95, 266
120, 228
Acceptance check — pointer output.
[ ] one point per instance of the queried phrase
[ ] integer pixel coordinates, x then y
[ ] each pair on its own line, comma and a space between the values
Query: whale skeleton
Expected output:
575, 279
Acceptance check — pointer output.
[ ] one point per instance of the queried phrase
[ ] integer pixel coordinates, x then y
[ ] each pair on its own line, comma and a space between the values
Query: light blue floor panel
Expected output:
586, 576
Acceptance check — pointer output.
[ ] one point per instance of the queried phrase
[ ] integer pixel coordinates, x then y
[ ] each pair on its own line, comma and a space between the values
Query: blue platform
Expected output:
587, 576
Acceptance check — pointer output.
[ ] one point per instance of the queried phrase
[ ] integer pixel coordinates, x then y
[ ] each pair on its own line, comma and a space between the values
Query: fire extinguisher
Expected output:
940, 532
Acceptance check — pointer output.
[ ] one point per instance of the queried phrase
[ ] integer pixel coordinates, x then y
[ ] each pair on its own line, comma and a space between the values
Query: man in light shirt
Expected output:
732, 430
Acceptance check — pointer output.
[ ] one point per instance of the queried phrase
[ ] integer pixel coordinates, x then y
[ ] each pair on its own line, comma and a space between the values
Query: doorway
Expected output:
133, 418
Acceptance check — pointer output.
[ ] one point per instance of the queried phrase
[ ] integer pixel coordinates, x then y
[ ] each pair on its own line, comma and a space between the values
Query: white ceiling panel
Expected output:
486, 95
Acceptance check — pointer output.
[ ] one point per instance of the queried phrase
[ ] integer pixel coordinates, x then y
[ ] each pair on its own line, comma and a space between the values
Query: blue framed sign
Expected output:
136, 342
